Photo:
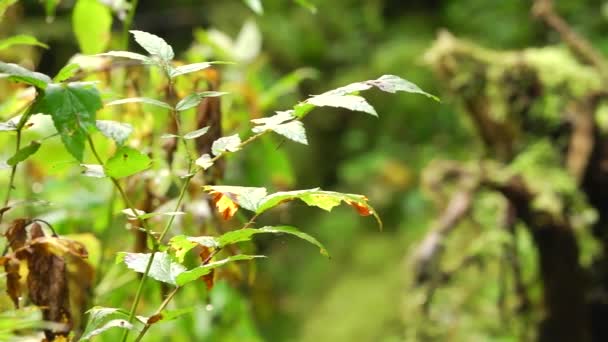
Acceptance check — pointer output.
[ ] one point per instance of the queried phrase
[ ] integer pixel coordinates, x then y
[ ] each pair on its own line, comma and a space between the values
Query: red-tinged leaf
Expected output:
225, 206
208, 278
362, 209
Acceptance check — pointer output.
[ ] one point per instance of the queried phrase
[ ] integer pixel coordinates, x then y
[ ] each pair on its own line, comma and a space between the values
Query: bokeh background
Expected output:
365, 292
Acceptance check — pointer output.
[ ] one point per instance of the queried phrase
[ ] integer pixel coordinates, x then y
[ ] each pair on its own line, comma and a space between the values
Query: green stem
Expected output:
127, 25
168, 226
162, 306
11, 183
13, 171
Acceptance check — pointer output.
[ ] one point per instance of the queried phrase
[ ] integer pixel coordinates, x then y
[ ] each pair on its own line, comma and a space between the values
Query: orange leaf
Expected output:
224, 204
209, 278
362, 209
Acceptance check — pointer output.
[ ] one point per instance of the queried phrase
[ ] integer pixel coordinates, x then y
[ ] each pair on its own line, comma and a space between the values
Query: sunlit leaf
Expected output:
126, 162
21, 39
66, 72
351, 102
226, 144
387, 83
145, 100
194, 274
283, 123
20, 74
127, 54
193, 100
163, 268
181, 246
154, 45
73, 108
117, 131
325, 200
255, 5
204, 161
224, 205
246, 234
24, 153
93, 170
247, 197
188, 68
115, 323
196, 134
393, 84
92, 24
97, 317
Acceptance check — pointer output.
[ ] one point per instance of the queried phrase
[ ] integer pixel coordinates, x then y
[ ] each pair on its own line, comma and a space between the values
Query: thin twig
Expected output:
543, 9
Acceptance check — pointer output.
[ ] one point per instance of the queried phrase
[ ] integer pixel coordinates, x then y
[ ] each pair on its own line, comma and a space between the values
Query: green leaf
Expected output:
21, 39
93, 170
181, 245
97, 316
193, 100
247, 197
302, 108
24, 153
145, 100
204, 161
306, 4
283, 123
196, 134
127, 54
126, 161
116, 131
393, 84
163, 268
188, 68
386, 83
351, 102
115, 323
325, 200
73, 108
92, 24
247, 234
226, 144
255, 5
154, 45
66, 72
20, 74
195, 273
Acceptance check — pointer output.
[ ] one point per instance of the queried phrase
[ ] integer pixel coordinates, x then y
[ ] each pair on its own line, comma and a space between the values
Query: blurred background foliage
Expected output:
365, 292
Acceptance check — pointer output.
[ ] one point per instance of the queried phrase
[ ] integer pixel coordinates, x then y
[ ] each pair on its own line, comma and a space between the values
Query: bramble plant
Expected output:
55, 262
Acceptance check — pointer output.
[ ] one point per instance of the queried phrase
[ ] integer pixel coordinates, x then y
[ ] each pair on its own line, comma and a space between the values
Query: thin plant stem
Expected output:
127, 25
11, 183
162, 306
